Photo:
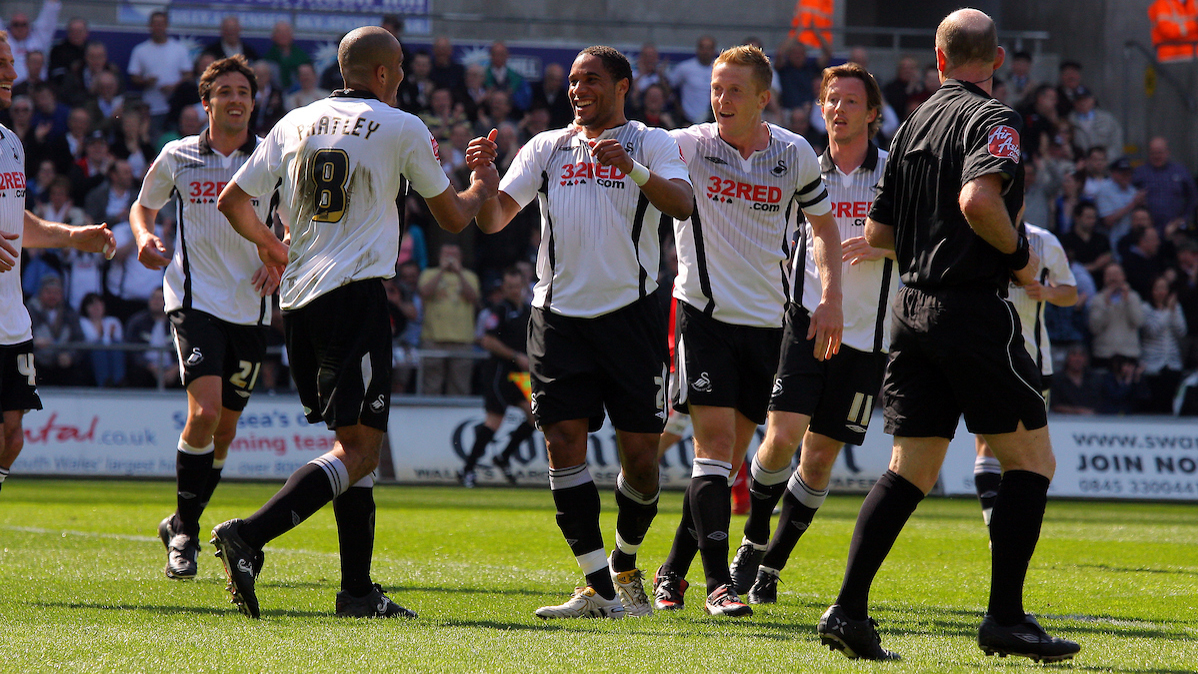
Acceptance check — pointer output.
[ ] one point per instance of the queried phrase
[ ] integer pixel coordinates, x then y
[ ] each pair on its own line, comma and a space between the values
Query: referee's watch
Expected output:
1018, 260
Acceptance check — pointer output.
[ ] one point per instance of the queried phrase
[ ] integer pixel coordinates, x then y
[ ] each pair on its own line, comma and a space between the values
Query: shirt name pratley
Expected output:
351, 126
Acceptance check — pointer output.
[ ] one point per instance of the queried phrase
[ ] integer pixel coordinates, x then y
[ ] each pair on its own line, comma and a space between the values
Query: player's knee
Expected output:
781, 441
14, 441
204, 416
223, 437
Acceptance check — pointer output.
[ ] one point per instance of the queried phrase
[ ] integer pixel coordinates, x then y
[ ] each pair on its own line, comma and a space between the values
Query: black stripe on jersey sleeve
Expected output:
638, 225
1039, 321
808, 204
811, 185
701, 260
785, 250
552, 253
887, 274
801, 262
182, 248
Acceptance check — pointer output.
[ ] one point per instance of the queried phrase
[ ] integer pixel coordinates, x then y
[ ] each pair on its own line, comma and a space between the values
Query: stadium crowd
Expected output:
91, 128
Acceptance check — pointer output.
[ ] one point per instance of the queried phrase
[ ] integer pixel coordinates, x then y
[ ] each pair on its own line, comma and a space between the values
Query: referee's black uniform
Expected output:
956, 345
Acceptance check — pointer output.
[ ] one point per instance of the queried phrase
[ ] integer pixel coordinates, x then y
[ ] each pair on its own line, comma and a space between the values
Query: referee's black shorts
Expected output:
957, 351
617, 361
339, 346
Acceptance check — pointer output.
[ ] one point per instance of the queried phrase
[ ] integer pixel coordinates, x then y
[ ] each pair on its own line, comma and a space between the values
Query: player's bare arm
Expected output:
982, 205
41, 233
1061, 296
672, 197
151, 251
235, 204
454, 210
879, 235
827, 321
496, 347
856, 250
496, 212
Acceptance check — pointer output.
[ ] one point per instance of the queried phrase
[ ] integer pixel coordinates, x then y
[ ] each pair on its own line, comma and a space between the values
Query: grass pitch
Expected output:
82, 590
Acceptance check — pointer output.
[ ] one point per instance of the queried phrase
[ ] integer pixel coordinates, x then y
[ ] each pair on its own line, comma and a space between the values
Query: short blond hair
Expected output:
750, 57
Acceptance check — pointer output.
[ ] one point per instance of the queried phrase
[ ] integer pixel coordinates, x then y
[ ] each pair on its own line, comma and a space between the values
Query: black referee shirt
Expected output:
508, 323
957, 135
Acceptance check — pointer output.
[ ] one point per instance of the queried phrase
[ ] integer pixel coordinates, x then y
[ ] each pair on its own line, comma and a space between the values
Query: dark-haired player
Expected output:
217, 294
597, 337
341, 162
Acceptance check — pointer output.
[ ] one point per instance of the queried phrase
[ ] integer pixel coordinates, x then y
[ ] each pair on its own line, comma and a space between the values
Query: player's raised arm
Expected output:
454, 210
41, 233
674, 197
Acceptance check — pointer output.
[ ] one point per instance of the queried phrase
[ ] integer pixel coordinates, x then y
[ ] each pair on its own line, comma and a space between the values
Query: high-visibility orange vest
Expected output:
1174, 21
808, 13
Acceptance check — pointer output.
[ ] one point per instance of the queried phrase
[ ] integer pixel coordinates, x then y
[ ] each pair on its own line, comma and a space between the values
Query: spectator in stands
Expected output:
132, 142
1094, 172
1086, 246
1123, 388
47, 109
1170, 192
795, 70
534, 122
268, 104
647, 70
95, 62
108, 366
1116, 199
69, 148
929, 83
412, 306
35, 62
32, 136
188, 91
1144, 261
308, 92
472, 96
37, 187
550, 93
1140, 220
111, 200
24, 37
507, 139
1116, 314
692, 80
158, 65
107, 103
1161, 337
453, 154
499, 75
1038, 190
59, 208
189, 123
90, 171
1069, 86
1020, 82
1040, 120
38, 264
451, 295
905, 83
498, 109
416, 88
1067, 200
230, 41
1185, 288
55, 323
285, 56
446, 73
1074, 389
442, 116
1095, 127
66, 58
150, 327
653, 108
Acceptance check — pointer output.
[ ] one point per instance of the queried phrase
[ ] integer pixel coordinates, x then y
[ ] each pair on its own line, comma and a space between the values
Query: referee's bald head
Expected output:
967, 36
363, 50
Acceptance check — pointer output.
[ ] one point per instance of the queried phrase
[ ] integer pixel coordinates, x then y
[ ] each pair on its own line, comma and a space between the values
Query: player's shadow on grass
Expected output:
1128, 569
468, 590
699, 628
177, 610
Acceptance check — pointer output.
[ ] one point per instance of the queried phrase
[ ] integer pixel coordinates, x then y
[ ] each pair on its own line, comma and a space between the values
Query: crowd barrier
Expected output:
118, 433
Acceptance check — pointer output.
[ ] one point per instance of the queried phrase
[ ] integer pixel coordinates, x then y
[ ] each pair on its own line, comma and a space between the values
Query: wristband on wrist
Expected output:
1018, 260
639, 174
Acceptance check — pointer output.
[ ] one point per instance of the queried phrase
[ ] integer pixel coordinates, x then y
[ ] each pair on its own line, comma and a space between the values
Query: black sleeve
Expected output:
992, 144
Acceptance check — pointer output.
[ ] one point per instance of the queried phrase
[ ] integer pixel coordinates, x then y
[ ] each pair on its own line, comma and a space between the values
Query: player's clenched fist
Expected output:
482, 151
609, 152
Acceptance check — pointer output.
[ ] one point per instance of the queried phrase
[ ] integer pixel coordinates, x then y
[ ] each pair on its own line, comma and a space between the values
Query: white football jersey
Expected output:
341, 161
732, 251
14, 317
599, 249
213, 265
1054, 270
867, 287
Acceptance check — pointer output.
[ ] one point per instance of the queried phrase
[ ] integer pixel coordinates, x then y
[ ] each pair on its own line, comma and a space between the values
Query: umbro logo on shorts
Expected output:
196, 357
718, 535
702, 384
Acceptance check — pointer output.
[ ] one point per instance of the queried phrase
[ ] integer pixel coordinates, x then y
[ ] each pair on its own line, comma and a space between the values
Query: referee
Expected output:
946, 202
